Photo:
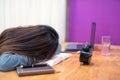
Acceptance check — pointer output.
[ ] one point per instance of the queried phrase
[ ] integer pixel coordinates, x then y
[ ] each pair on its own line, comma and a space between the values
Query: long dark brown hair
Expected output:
39, 41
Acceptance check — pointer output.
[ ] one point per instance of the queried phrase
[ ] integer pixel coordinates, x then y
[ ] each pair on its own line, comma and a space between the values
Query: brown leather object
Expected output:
34, 70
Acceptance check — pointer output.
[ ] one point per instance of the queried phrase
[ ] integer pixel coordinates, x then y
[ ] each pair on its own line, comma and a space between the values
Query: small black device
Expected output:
86, 54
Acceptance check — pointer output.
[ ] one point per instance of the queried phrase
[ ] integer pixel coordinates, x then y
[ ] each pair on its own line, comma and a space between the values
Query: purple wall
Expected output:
106, 14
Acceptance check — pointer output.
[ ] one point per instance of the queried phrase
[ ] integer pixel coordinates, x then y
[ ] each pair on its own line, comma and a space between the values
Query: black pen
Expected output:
31, 66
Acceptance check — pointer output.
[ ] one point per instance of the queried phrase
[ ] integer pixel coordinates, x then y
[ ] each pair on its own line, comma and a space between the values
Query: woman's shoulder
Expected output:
6, 55
10, 55
9, 61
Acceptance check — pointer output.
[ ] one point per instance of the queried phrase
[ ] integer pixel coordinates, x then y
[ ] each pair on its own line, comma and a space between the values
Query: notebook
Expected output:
33, 70
77, 46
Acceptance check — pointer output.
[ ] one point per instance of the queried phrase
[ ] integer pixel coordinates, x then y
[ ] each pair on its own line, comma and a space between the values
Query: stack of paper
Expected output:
57, 59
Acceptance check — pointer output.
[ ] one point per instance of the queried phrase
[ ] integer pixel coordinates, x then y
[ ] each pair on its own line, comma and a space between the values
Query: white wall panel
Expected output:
14, 13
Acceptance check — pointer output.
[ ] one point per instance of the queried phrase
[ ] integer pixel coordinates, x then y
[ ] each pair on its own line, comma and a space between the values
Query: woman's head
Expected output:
39, 41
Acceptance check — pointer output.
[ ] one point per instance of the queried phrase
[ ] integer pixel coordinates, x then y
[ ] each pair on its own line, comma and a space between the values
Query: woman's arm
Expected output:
9, 61
58, 49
